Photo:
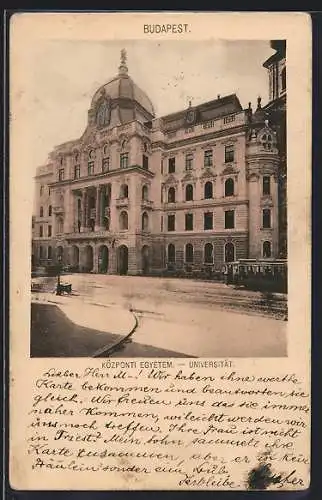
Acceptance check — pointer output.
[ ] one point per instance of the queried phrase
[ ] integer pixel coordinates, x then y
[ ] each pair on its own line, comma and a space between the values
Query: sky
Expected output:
63, 75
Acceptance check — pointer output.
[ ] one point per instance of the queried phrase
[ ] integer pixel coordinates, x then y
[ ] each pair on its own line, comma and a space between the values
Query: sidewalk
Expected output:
89, 313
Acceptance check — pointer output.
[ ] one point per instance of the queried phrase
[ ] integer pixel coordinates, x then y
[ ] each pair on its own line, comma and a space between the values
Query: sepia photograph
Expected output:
160, 195
159, 225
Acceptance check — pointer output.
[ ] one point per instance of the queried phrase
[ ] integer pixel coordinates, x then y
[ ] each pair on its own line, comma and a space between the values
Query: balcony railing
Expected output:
92, 213
58, 209
147, 204
88, 234
122, 202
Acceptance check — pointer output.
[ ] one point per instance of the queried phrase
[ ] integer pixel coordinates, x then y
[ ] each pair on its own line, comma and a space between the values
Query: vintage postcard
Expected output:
160, 195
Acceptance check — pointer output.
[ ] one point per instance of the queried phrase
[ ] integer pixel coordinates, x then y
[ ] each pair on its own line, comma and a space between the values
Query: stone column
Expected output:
84, 211
102, 206
97, 208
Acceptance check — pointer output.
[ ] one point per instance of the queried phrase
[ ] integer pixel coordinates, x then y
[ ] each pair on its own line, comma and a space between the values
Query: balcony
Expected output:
89, 235
147, 204
122, 202
58, 209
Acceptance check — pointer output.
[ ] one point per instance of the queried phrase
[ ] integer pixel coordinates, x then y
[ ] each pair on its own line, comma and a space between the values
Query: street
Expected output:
176, 317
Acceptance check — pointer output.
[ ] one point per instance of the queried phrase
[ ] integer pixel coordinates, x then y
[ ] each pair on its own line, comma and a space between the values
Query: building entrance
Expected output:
145, 259
103, 259
122, 259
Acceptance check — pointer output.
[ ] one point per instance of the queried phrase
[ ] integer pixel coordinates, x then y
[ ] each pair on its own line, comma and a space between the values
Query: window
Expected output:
76, 158
162, 167
171, 253
208, 190
229, 219
50, 253
49, 231
189, 161
105, 164
171, 165
105, 150
267, 141
266, 185
267, 249
60, 225
61, 174
189, 192
208, 158
41, 252
124, 191
41, 212
283, 78
124, 160
189, 253
145, 193
50, 211
208, 220
209, 253
189, 222
266, 218
41, 190
171, 222
171, 195
76, 171
124, 221
229, 154
90, 168
145, 162
161, 224
49, 190
229, 252
145, 222
229, 187
41, 231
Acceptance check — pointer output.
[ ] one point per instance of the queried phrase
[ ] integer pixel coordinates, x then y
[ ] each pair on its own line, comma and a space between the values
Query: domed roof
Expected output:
123, 87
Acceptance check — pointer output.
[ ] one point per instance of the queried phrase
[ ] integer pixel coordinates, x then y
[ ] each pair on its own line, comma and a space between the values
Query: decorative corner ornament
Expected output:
190, 116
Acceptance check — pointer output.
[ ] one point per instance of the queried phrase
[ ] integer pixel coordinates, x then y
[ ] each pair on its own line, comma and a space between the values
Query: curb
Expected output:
106, 351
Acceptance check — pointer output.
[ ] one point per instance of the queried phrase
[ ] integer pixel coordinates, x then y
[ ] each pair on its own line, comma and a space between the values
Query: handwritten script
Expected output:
154, 424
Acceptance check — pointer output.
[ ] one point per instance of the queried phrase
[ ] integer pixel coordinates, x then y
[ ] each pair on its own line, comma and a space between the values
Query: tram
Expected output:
257, 274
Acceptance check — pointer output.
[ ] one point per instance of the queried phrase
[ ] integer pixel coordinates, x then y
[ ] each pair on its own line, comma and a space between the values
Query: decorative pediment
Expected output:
188, 177
229, 170
170, 180
208, 174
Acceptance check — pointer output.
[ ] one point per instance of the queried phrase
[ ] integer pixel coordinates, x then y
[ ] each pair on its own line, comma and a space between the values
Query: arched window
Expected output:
208, 191
209, 253
124, 221
267, 249
124, 191
145, 221
189, 253
229, 252
49, 211
41, 212
171, 253
171, 195
145, 193
229, 187
189, 192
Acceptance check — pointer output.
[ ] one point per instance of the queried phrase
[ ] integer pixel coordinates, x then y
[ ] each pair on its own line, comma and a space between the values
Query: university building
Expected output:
140, 194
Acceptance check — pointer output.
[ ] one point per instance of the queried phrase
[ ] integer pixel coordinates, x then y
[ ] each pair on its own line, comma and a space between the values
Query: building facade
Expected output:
140, 194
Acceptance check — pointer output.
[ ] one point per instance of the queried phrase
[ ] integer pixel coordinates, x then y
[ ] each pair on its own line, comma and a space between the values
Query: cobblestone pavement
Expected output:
193, 318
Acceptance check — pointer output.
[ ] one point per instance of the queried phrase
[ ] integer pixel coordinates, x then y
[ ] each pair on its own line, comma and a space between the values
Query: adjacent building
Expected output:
140, 194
